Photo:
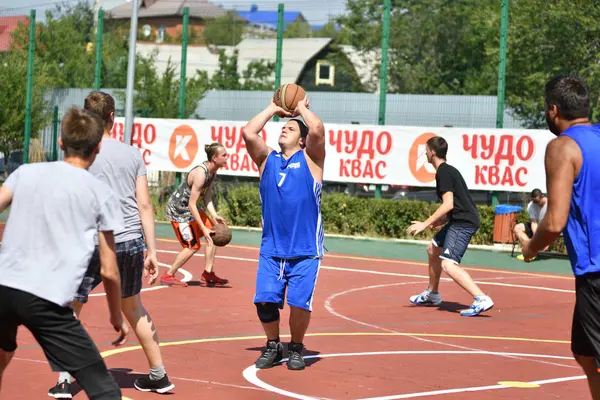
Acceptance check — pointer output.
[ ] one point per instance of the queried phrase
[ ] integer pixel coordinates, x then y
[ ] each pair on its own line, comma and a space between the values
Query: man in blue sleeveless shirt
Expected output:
292, 240
572, 163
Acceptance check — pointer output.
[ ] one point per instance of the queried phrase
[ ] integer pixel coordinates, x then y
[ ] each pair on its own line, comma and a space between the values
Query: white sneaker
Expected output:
481, 304
426, 298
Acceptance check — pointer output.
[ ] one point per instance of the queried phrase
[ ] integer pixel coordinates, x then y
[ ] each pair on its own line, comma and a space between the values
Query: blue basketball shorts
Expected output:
297, 275
454, 241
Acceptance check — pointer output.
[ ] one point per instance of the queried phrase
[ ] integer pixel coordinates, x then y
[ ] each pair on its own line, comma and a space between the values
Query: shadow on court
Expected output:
123, 376
202, 284
454, 307
308, 362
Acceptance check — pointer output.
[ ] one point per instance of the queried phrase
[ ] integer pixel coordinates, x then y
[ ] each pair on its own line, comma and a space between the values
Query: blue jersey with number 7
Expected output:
291, 208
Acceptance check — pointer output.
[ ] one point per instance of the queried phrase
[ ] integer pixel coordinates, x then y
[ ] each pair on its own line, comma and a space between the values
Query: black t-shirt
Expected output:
449, 179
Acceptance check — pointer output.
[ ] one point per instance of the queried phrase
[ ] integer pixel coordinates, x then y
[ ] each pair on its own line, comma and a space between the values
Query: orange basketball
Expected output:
221, 236
287, 96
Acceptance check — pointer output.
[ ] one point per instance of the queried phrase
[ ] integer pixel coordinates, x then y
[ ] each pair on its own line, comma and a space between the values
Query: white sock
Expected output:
65, 376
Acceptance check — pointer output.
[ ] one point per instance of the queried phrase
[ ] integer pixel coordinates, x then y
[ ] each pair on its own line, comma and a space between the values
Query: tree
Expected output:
298, 29
158, 96
13, 83
257, 75
224, 31
545, 41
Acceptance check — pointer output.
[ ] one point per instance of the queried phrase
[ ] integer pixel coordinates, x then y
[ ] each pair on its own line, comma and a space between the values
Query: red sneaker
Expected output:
211, 279
170, 280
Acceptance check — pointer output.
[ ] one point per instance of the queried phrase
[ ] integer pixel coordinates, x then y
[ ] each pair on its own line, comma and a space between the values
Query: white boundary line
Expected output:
368, 271
250, 373
187, 276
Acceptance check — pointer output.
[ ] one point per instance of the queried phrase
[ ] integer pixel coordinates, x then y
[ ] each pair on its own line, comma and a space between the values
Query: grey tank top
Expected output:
177, 206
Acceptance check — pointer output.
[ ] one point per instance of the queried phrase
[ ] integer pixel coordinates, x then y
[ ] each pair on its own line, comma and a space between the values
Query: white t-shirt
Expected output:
536, 212
49, 237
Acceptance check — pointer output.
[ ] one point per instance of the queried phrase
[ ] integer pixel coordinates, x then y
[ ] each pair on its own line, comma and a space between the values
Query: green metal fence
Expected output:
427, 47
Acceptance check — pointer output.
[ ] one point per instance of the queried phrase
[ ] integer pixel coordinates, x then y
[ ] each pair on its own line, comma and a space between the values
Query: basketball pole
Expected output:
29, 94
385, 38
131, 73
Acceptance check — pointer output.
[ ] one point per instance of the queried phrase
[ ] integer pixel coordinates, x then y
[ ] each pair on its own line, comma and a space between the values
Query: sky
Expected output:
315, 11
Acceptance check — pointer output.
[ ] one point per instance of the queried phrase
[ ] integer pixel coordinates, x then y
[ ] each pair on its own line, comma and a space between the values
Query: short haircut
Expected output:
535, 193
81, 131
211, 149
102, 104
303, 127
439, 146
570, 95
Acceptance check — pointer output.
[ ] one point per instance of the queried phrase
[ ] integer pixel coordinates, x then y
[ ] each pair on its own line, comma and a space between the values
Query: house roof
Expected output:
269, 17
7, 26
169, 8
295, 54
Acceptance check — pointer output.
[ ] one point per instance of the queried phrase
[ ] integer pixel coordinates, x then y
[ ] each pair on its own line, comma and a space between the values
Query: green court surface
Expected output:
400, 251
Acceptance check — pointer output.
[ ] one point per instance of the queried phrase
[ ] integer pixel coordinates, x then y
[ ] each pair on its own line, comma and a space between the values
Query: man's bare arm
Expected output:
146, 212
563, 161
315, 141
6, 196
256, 146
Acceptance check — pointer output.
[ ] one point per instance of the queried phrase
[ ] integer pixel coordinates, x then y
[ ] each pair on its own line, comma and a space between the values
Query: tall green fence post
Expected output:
182, 74
55, 134
99, 32
29, 100
501, 75
385, 38
278, 59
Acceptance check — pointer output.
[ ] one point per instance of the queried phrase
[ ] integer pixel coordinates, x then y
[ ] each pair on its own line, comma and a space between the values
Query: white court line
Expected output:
205, 381
332, 311
250, 374
368, 271
186, 278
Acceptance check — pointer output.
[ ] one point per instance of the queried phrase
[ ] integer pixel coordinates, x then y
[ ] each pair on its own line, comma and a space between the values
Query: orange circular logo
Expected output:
417, 159
183, 146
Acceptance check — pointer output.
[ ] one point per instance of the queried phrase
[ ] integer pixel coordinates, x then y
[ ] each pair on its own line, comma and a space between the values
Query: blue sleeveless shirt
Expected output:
582, 233
291, 208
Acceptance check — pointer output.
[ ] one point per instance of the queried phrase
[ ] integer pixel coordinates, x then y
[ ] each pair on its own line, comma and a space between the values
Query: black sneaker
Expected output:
295, 360
62, 390
146, 384
272, 355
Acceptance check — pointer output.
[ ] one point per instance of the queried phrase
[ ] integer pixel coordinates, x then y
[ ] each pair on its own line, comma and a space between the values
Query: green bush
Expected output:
354, 216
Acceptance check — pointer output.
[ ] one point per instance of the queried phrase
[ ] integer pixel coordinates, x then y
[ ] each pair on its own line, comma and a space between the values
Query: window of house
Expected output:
325, 73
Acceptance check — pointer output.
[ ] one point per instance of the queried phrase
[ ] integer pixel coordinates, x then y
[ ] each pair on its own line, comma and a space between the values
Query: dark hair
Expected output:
211, 149
303, 127
81, 131
535, 193
102, 104
439, 146
570, 95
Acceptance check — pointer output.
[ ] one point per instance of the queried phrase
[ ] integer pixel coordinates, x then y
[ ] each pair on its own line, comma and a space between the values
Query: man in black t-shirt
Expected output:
449, 245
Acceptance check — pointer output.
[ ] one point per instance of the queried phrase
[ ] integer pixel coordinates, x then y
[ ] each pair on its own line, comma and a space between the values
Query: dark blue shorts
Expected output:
453, 240
298, 275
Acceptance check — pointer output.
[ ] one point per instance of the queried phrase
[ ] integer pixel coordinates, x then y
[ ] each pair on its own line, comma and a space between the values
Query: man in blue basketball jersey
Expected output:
572, 165
292, 240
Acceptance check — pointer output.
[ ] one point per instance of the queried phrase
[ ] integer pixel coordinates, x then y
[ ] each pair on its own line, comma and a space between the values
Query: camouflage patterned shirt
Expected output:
177, 206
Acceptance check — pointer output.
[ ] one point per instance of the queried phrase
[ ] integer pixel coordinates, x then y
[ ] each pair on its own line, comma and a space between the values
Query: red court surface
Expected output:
366, 341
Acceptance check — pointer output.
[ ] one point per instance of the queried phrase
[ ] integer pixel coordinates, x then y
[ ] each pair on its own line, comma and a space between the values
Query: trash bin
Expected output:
504, 221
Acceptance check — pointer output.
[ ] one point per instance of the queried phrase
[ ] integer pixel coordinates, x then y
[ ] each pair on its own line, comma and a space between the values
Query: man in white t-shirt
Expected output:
57, 210
536, 209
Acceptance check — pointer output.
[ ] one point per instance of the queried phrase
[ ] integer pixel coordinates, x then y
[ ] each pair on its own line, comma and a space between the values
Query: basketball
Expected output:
221, 236
287, 96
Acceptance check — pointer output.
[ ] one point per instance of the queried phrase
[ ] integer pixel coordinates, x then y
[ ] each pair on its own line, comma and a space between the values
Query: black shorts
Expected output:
130, 260
66, 344
528, 230
454, 241
585, 332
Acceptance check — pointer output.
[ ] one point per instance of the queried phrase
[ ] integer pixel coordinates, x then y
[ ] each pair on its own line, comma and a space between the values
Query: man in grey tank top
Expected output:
121, 166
